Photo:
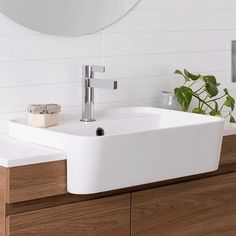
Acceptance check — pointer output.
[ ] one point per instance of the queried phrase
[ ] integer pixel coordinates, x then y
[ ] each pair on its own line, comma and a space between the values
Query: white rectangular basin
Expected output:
140, 145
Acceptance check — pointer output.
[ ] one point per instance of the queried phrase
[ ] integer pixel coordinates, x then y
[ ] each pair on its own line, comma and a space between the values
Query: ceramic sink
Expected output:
140, 145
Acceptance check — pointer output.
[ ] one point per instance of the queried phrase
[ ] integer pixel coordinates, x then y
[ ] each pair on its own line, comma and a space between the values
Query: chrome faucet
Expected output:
88, 85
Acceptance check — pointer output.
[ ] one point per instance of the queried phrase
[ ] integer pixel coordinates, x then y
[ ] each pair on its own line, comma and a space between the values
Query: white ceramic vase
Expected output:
167, 100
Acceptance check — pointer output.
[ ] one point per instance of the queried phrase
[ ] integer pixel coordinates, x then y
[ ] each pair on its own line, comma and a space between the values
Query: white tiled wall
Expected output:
141, 51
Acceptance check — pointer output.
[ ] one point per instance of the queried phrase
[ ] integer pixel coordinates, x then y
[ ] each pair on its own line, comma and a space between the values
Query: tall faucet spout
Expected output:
88, 85
103, 84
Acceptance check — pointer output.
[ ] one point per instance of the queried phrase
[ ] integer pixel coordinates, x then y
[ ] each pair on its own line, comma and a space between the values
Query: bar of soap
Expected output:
43, 120
44, 108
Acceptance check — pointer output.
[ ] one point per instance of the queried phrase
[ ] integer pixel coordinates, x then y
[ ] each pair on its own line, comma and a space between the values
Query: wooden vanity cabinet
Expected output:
36, 181
197, 208
34, 202
100, 217
202, 207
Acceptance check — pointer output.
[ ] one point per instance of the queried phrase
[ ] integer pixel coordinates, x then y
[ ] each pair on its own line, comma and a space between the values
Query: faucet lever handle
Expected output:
98, 69
89, 71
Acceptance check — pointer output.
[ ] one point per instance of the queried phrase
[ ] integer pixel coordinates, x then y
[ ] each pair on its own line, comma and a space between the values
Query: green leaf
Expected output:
211, 89
230, 102
184, 96
215, 113
232, 120
178, 72
211, 85
210, 79
198, 110
191, 76
226, 91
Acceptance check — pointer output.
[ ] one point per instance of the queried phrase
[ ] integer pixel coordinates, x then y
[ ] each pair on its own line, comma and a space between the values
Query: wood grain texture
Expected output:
101, 217
228, 151
32, 205
36, 181
3, 190
205, 207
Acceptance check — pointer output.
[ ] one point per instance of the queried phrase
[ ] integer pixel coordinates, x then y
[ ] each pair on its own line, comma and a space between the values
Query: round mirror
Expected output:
66, 17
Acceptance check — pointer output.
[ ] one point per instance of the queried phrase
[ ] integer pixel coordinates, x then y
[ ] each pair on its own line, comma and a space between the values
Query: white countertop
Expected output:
230, 129
18, 153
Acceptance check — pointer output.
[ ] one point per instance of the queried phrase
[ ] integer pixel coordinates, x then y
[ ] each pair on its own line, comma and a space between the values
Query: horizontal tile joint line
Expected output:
183, 9
39, 84
169, 31
164, 53
48, 59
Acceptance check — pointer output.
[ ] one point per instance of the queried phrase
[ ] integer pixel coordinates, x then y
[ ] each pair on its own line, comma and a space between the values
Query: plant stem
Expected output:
230, 114
227, 116
199, 104
194, 95
213, 100
204, 101
192, 84
222, 107
201, 92
199, 89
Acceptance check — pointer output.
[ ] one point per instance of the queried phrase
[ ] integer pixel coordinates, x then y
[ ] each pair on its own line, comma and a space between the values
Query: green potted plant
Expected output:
204, 90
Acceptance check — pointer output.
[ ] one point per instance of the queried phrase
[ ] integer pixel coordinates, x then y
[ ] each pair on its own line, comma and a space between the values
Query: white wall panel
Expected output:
141, 51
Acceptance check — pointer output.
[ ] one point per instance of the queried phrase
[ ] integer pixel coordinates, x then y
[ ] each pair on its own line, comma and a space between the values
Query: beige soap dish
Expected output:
44, 115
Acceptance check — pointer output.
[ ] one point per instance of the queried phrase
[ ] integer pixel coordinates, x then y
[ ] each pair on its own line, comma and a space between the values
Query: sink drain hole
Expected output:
100, 132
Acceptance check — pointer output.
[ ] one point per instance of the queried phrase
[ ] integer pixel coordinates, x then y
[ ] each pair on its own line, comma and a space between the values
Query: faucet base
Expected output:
87, 120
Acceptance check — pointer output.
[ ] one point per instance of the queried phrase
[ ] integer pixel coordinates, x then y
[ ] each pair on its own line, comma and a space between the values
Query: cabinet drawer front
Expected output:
228, 151
36, 181
196, 208
101, 217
